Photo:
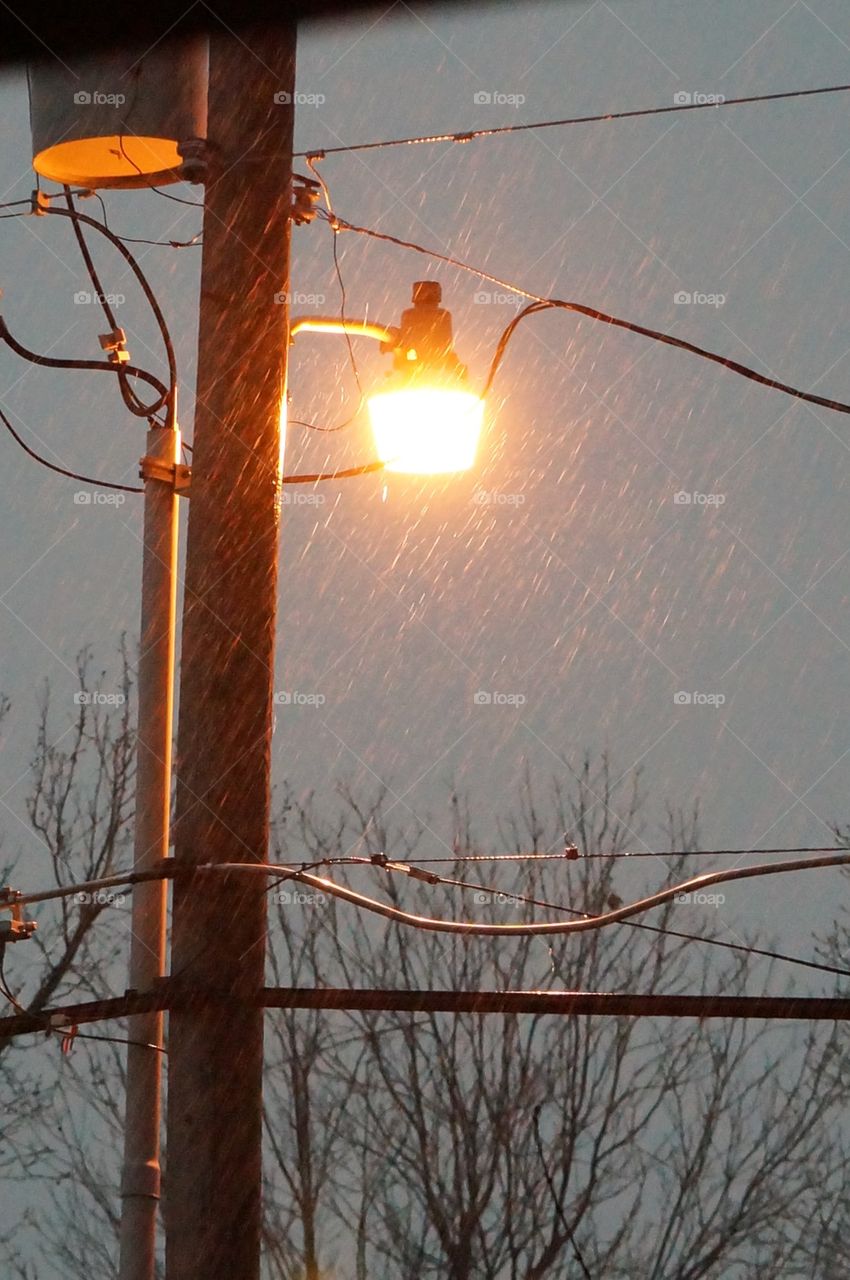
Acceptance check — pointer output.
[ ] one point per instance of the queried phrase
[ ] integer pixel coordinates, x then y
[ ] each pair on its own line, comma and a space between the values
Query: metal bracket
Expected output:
176, 474
305, 199
115, 346
17, 929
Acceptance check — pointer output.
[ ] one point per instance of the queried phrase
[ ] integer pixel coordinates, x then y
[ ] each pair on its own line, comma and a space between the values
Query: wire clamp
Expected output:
306, 193
114, 344
16, 929
176, 474
40, 203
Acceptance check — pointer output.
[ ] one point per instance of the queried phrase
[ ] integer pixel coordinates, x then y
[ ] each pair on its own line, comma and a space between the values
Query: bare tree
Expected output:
405, 1145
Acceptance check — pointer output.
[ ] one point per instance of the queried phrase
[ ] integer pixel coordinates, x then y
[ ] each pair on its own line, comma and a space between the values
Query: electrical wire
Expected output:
132, 402
465, 927
472, 135
540, 303
195, 204
551, 1185
144, 284
334, 475
56, 362
432, 878
571, 854
63, 471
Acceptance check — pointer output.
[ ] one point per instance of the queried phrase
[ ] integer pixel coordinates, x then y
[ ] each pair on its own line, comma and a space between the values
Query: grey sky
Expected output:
582, 586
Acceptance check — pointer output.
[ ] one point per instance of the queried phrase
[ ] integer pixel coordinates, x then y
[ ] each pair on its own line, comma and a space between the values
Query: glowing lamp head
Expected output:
426, 421
426, 430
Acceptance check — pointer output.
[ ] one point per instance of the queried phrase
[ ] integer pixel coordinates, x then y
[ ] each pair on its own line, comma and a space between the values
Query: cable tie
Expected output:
379, 860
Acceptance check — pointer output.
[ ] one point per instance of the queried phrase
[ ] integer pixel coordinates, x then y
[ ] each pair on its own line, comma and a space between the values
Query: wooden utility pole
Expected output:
213, 1166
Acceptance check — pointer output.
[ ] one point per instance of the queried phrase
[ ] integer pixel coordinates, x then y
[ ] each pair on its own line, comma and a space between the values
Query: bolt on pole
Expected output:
213, 1170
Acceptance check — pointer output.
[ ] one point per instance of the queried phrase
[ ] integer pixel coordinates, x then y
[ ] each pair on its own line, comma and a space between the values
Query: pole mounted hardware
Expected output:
15, 929
306, 193
176, 474
114, 344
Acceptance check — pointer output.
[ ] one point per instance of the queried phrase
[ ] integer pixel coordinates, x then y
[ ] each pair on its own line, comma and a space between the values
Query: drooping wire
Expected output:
56, 362
331, 220
540, 303
433, 878
63, 471
472, 135
551, 1185
144, 283
166, 195
132, 402
334, 475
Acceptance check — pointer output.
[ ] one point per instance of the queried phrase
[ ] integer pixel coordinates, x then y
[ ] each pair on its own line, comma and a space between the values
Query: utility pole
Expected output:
140, 1179
213, 1170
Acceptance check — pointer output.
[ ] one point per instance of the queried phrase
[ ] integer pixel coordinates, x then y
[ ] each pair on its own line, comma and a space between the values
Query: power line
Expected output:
467, 928
572, 854
63, 471
472, 135
540, 303
432, 878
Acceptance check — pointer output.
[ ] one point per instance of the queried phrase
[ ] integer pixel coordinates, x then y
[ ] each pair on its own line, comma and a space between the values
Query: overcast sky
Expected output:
562, 572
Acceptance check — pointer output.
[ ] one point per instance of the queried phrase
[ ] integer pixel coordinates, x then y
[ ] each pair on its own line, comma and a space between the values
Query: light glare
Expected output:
426, 430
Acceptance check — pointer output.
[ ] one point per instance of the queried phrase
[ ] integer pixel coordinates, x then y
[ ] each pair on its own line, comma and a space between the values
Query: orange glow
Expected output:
426, 430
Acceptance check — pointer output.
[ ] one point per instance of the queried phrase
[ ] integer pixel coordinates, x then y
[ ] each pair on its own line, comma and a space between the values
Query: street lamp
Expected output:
425, 421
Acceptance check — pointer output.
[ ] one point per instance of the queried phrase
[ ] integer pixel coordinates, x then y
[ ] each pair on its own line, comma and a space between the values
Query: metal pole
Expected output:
140, 1180
215, 1064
